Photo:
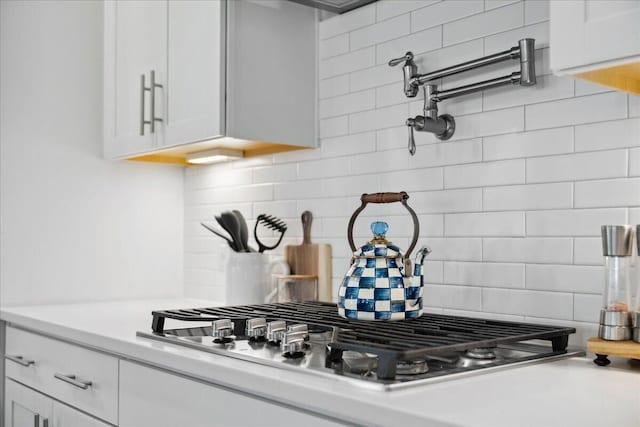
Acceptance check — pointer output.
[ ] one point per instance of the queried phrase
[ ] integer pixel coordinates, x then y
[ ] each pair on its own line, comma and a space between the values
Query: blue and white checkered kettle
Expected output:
381, 283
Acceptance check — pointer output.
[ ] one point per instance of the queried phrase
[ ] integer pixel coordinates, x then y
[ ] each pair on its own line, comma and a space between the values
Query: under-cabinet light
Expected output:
214, 156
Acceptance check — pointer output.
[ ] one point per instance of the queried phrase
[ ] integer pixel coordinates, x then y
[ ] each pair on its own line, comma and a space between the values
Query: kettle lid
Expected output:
379, 246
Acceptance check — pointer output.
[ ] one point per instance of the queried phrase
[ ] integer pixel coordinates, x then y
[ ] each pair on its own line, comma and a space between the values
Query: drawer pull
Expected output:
73, 380
20, 360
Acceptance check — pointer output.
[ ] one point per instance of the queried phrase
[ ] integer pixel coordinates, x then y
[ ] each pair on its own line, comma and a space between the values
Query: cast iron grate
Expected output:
430, 334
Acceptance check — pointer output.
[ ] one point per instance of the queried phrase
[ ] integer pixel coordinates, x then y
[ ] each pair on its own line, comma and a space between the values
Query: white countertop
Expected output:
570, 392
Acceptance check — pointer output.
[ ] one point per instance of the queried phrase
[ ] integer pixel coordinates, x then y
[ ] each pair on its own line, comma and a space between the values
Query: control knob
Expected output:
256, 328
276, 330
222, 330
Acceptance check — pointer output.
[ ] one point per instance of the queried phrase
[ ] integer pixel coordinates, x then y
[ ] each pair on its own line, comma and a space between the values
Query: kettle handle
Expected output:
385, 198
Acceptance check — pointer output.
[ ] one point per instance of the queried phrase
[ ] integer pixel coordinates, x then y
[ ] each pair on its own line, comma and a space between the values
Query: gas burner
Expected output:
483, 353
478, 357
412, 367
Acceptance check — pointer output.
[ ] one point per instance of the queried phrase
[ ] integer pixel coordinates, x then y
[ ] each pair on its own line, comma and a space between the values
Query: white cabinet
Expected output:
153, 398
235, 74
598, 40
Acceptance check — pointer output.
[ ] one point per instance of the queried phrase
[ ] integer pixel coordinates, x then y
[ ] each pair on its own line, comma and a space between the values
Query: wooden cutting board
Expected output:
311, 259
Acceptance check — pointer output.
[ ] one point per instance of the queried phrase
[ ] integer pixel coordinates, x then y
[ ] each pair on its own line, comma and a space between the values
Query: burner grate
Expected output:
405, 340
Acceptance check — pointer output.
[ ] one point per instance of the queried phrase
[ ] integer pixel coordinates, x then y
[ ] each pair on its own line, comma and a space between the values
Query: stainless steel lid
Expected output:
614, 333
617, 240
615, 318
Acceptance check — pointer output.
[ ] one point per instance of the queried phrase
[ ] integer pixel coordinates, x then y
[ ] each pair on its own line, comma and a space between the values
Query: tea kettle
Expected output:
381, 283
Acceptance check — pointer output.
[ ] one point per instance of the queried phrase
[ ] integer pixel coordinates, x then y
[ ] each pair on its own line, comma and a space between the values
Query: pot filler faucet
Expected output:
444, 126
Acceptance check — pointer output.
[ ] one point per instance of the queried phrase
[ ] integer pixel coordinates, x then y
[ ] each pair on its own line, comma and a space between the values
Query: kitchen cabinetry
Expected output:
150, 397
597, 40
234, 74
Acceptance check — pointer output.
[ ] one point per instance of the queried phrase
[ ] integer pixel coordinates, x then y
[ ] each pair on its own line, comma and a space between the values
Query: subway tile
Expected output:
275, 173
493, 4
390, 8
586, 308
345, 104
431, 226
341, 64
246, 193
347, 22
565, 278
279, 208
334, 126
326, 207
587, 251
554, 305
432, 272
447, 56
634, 162
607, 193
529, 197
495, 275
489, 123
536, 11
485, 174
634, 216
547, 88
334, 46
422, 41
575, 222
455, 107
379, 161
333, 86
483, 315
378, 119
390, 95
447, 201
634, 105
572, 167
508, 39
443, 12
484, 224
494, 21
528, 144
447, 153
412, 180
380, 32
388, 139
373, 77
585, 109
529, 249
608, 135
584, 87
296, 156
584, 330
460, 297
336, 166
349, 144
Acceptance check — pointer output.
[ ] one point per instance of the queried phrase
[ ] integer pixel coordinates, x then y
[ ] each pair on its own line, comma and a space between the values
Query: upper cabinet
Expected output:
597, 40
183, 77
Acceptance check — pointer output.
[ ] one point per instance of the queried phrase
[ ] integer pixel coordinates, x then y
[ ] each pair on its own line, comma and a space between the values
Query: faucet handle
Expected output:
412, 142
408, 57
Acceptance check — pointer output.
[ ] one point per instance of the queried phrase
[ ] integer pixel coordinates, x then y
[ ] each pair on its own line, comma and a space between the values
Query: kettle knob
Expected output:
379, 228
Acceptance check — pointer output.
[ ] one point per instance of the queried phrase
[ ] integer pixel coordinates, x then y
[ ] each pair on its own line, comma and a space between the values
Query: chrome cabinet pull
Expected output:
152, 88
143, 89
36, 420
73, 380
20, 360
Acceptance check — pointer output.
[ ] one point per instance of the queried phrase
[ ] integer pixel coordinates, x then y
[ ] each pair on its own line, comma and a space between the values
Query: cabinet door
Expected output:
195, 77
65, 416
25, 407
592, 31
135, 44
153, 398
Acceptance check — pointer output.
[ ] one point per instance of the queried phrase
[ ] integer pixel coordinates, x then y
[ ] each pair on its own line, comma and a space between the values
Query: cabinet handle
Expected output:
73, 380
20, 360
152, 88
143, 89
36, 420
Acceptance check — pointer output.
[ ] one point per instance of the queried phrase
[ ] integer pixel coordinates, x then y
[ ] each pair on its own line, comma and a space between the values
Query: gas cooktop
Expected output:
311, 337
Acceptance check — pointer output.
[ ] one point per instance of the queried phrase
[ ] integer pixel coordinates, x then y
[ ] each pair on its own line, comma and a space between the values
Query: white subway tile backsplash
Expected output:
378, 119
412, 180
586, 308
584, 109
462, 106
508, 39
447, 201
484, 224
335, 126
492, 4
554, 305
380, 32
390, 95
634, 162
390, 8
584, 87
379, 161
334, 46
489, 274
529, 197
528, 144
634, 105
489, 123
333, 86
587, 251
341, 64
279, 173
576, 222
565, 278
348, 144
573, 167
336, 166
612, 192
448, 56
447, 153
422, 41
528, 249
547, 88
346, 22
485, 174
345, 104
388, 139
536, 11
495, 21
608, 135
460, 297
373, 77
443, 12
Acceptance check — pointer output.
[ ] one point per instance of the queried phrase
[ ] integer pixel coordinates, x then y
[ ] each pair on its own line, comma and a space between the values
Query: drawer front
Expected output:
64, 371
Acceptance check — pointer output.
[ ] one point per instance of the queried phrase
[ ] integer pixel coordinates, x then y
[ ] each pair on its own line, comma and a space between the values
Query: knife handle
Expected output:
307, 218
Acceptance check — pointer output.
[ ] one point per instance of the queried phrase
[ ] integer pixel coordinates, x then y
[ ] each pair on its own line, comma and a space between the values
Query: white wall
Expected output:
511, 206
74, 227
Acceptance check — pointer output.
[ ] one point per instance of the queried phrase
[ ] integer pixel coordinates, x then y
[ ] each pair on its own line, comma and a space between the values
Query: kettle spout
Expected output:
422, 253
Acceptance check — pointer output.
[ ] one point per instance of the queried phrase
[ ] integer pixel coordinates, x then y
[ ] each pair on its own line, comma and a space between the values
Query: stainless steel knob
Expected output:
407, 57
256, 328
301, 328
276, 330
292, 343
222, 329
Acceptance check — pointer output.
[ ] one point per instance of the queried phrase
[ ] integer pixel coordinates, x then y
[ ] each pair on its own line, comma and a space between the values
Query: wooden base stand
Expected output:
603, 348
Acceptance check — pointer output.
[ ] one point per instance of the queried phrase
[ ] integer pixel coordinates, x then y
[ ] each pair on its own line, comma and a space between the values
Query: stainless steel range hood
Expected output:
335, 6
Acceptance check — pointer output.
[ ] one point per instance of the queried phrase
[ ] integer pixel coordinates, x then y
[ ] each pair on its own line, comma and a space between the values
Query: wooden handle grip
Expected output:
384, 197
307, 218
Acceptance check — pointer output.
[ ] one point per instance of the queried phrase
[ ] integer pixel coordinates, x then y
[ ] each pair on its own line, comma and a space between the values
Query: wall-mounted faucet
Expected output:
444, 126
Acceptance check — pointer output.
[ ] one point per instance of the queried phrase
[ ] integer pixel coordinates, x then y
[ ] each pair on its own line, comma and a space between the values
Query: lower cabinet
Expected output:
25, 407
150, 397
